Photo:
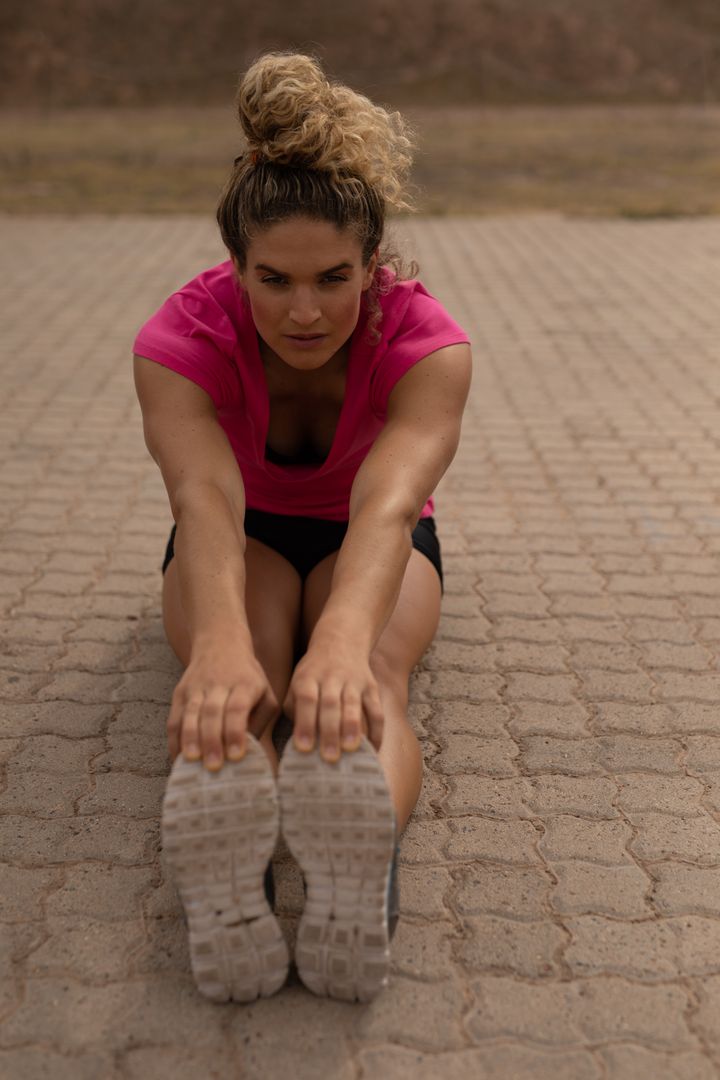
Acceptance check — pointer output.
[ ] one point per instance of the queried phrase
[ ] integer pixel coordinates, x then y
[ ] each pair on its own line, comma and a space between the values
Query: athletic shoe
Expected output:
219, 832
339, 823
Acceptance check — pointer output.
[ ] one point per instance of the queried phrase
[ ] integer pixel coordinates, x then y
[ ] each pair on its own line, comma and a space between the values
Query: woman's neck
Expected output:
277, 370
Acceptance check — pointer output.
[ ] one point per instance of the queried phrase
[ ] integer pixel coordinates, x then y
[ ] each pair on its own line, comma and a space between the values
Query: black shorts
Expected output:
305, 541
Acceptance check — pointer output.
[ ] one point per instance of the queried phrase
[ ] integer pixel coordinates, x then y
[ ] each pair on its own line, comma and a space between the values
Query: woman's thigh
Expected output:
273, 593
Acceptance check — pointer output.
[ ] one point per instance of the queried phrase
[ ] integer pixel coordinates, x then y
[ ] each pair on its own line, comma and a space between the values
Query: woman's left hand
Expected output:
333, 696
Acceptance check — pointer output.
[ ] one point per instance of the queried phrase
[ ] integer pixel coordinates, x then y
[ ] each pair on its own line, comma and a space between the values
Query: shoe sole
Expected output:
219, 832
339, 823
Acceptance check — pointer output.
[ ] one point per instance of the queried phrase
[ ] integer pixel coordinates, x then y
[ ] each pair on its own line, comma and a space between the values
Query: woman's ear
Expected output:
370, 269
239, 274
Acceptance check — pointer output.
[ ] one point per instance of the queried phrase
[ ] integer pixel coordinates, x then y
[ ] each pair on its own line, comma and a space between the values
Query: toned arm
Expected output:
206, 494
396, 479
333, 685
223, 689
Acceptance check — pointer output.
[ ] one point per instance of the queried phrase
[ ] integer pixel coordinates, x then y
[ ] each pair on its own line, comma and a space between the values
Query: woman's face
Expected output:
304, 280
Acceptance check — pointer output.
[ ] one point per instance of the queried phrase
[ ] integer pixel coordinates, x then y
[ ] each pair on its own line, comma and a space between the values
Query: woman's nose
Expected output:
304, 310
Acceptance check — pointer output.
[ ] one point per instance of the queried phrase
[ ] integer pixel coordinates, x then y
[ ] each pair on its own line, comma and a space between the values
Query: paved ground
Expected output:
561, 876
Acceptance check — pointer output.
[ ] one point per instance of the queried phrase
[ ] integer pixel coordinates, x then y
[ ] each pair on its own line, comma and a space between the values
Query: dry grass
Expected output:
641, 161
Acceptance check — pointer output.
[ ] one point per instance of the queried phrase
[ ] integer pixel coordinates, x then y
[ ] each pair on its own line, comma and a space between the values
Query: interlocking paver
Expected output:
546, 718
492, 890
472, 794
619, 891
560, 874
584, 797
423, 949
529, 950
629, 1062
571, 837
580, 1013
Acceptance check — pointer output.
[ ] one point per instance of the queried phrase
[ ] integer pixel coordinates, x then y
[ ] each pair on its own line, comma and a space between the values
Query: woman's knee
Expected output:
392, 677
272, 607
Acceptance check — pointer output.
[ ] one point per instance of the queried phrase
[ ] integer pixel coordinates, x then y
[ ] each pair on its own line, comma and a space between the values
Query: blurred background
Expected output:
597, 107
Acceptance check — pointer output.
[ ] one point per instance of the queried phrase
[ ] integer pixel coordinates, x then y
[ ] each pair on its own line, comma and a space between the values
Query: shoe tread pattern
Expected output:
219, 832
339, 824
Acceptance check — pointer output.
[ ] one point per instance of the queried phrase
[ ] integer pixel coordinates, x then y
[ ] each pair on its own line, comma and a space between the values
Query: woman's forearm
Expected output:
367, 578
210, 553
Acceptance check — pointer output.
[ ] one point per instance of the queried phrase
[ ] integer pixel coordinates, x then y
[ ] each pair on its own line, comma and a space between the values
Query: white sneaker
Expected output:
219, 832
339, 823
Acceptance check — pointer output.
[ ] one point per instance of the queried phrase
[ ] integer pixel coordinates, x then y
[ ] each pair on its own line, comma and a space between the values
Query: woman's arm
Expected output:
396, 479
223, 680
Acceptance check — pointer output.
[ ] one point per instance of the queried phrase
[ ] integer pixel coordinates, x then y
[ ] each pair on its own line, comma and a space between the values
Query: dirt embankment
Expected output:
102, 52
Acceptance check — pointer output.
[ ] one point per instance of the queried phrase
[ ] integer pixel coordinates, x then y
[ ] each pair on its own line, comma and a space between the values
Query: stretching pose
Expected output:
302, 400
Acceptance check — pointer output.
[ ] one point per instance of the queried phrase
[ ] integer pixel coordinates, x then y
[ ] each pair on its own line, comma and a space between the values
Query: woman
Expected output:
302, 401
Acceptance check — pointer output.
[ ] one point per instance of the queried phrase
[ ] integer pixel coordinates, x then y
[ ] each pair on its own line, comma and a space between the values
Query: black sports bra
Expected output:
306, 456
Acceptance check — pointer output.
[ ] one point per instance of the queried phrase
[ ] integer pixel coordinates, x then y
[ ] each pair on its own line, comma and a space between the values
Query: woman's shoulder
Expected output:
217, 286
409, 308
209, 304
198, 330
414, 324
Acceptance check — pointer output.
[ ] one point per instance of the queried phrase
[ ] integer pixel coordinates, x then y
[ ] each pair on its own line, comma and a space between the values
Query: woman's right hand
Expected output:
222, 694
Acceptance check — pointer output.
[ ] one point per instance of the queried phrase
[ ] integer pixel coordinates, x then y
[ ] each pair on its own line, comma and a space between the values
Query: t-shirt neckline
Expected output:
263, 426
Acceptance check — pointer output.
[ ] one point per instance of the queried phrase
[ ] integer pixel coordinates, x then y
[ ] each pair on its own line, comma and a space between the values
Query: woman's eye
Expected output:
331, 279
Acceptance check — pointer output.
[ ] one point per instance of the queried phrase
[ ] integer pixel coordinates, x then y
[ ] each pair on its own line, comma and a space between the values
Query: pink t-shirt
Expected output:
205, 332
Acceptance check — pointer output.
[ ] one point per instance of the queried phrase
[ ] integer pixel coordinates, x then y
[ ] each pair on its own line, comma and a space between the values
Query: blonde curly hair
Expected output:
314, 148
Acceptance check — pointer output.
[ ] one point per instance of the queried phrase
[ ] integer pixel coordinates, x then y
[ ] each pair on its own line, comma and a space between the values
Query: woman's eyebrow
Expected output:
323, 273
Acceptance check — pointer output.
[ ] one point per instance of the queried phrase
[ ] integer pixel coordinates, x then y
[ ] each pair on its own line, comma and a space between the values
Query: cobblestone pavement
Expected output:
561, 875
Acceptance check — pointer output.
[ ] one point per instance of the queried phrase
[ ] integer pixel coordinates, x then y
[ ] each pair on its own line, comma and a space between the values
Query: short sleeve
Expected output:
423, 327
193, 335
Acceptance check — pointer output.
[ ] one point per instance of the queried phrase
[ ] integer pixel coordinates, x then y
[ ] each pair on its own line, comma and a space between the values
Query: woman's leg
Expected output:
272, 601
408, 633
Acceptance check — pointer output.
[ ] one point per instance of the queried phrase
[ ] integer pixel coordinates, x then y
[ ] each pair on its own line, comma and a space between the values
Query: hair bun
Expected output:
291, 114
284, 96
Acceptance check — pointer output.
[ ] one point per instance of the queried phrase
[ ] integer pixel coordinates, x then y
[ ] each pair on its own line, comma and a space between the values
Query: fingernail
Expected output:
212, 761
235, 752
304, 742
350, 742
192, 751
331, 753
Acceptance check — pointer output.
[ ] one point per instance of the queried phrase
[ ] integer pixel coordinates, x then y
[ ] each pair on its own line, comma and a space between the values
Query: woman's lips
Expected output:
306, 341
